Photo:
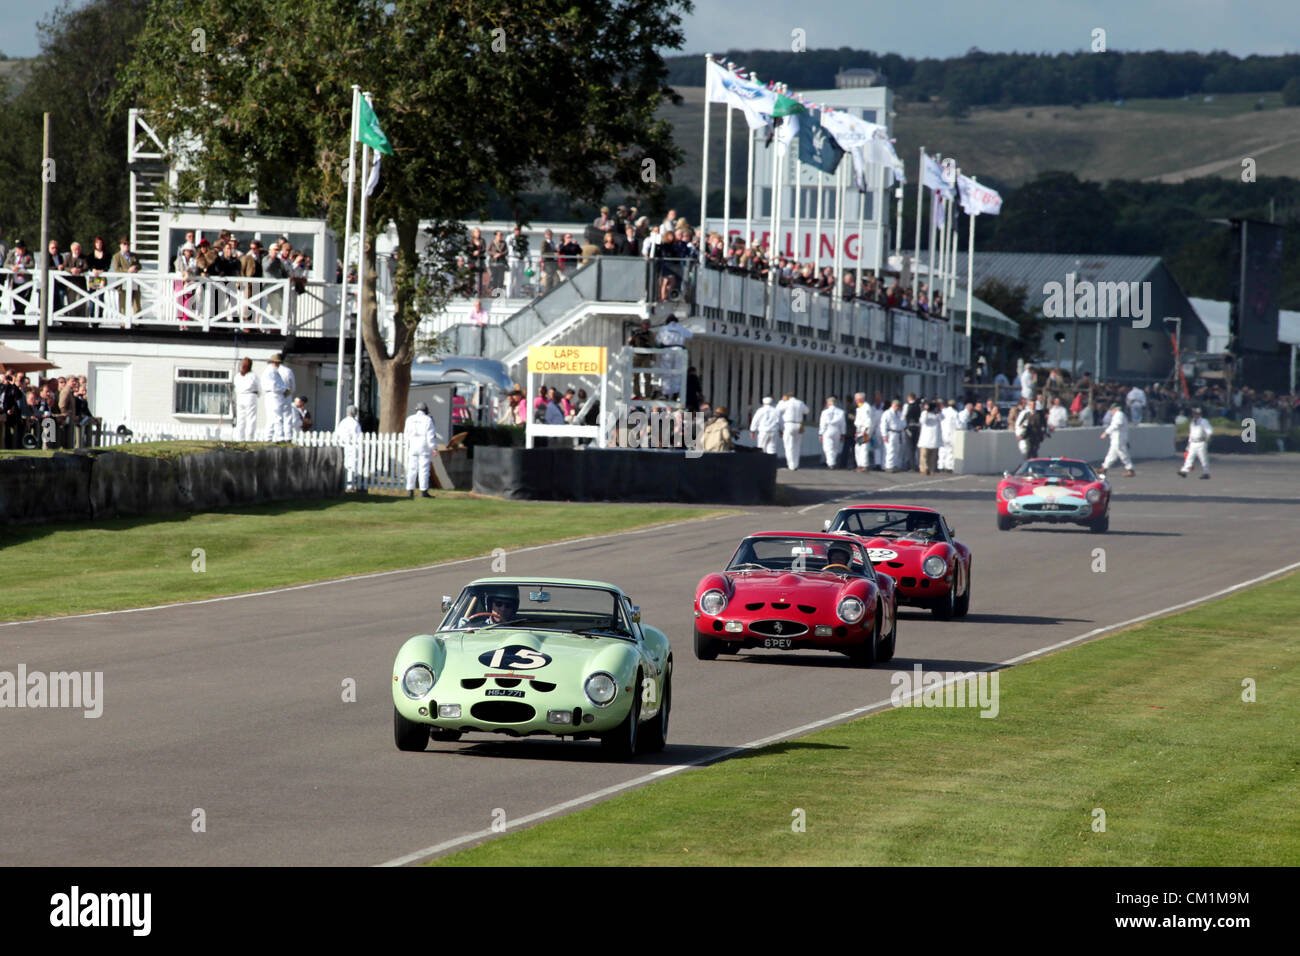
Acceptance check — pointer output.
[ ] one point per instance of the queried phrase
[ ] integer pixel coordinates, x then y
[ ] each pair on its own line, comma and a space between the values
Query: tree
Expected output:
1291, 91
480, 99
1013, 303
1056, 213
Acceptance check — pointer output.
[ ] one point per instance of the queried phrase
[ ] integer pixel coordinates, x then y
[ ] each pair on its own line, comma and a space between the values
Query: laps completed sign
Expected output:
566, 360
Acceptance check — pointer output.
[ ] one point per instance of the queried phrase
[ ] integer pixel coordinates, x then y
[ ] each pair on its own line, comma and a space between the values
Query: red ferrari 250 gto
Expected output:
792, 590
916, 548
1054, 490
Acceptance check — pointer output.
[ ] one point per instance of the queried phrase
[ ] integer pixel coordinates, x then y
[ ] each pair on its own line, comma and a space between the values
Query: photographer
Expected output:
1030, 429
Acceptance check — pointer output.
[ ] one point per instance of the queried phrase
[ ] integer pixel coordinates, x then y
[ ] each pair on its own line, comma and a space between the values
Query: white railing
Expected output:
146, 299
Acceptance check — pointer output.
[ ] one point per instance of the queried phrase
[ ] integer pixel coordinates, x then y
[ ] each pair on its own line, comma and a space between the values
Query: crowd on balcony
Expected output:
83, 271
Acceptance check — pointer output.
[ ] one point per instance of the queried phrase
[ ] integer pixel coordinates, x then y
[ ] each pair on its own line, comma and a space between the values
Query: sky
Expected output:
936, 28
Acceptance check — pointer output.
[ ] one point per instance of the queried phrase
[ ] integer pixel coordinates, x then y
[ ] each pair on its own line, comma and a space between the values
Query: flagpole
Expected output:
970, 268
817, 238
929, 270
798, 201
898, 231
361, 274
749, 191
347, 242
837, 290
951, 271
772, 268
726, 187
862, 224
704, 179
920, 206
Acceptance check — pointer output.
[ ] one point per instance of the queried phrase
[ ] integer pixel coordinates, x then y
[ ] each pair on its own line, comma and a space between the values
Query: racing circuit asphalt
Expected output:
235, 706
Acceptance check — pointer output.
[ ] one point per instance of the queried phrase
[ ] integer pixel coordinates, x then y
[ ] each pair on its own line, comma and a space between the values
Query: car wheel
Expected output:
1005, 523
656, 735
963, 602
886, 651
706, 648
946, 606
864, 655
407, 734
622, 740
1099, 525
446, 736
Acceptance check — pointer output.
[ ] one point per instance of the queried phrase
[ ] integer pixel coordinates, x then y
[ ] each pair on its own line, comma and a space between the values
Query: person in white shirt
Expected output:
1027, 383
1117, 432
862, 419
300, 420
421, 441
947, 427
892, 426
650, 244
275, 399
673, 335
927, 443
793, 412
348, 434
247, 392
519, 259
877, 406
964, 416
1136, 400
830, 429
1058, 417
1198, 443
290, 386
765, 426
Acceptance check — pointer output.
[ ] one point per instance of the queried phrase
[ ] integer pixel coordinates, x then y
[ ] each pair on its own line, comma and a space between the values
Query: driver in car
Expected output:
499, 605
837, 557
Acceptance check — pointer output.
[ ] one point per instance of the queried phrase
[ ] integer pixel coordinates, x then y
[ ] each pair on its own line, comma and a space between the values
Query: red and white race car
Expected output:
793, 590
915, 547
1055, 490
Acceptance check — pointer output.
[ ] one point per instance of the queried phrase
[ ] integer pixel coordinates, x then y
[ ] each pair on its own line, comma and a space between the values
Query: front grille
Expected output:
502, 712
473, 683
779, 628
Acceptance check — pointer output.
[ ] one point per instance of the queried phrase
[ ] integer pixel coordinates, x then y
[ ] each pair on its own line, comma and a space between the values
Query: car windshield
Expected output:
889, 523
799, 554
537, 606
1045, 468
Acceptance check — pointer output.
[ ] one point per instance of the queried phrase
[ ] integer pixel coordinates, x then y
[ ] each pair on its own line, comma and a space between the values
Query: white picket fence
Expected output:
376, 462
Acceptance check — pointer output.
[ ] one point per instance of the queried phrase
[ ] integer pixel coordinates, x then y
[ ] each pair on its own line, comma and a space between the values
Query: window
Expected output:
202, 391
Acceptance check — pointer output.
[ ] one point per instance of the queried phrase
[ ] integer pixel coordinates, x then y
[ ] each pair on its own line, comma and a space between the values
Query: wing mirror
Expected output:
1006, 474
636, 614
446, 602
826, 525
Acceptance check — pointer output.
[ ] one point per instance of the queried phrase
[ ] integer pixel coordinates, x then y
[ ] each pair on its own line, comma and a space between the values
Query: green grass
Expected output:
168, 450
1148, 725
131, 562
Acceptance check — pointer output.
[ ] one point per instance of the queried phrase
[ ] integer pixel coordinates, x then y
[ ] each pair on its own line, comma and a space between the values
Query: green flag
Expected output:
368, 130
786, 106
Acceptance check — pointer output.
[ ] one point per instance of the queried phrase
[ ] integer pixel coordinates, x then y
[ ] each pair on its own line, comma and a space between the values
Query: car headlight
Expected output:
1093, 495
417, 681
712, 602
851, 610
1008, 492
934, 566
600, 689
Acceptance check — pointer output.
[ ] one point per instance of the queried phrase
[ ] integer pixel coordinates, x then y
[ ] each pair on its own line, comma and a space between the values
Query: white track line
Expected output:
363, 577
439, 848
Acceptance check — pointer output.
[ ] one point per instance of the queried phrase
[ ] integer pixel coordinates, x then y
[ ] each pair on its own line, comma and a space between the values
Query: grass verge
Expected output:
132, 562
168, 450
1148, 725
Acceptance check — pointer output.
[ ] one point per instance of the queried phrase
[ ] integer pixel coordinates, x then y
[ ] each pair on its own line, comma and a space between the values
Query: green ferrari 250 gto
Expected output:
523, 656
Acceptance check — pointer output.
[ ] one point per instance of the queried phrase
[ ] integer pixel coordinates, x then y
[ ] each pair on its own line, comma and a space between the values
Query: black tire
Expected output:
864, 655
623, 741
706, 648
885, 652
446, 736
963, 602
946, 607
407, 734
1005, 523
655, 735
1100, 525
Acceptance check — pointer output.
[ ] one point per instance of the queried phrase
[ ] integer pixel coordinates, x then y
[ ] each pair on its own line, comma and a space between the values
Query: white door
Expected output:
109, 398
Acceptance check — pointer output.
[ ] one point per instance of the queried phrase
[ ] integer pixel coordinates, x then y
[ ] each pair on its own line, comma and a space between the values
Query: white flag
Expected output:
753, 99
976, 199
373, 182
856, 137
932, 177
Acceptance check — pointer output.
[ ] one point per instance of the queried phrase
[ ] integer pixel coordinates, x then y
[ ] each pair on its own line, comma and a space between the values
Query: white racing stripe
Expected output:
432, 851
375, 574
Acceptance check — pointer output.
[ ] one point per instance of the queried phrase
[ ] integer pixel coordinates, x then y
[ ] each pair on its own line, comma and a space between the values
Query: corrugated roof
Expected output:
1034, 270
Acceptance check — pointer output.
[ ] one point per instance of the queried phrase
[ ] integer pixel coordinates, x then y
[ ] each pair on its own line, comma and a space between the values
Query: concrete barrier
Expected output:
991, 452
104, 484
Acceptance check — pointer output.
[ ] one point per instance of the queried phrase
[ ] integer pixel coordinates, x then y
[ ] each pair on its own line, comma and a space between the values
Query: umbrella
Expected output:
12, 360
